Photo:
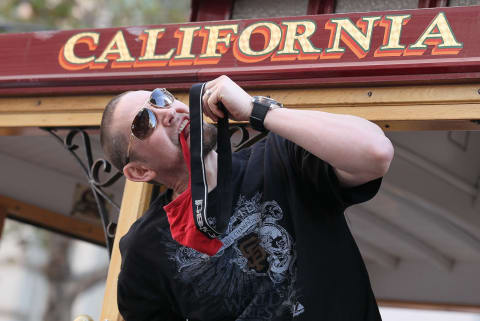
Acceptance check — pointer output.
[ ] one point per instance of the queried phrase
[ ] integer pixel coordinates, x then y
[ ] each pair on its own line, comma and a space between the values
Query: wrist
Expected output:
260, 107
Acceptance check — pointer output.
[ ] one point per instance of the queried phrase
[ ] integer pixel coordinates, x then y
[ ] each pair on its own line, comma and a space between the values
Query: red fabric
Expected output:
180, 217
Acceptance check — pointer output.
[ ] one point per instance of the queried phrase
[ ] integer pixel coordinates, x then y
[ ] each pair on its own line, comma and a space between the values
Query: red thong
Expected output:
180, 216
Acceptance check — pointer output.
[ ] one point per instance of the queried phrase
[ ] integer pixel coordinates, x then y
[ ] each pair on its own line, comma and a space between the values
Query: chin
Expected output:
209, 138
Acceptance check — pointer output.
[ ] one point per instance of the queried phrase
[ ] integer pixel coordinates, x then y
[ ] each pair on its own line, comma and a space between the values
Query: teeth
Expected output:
183, 124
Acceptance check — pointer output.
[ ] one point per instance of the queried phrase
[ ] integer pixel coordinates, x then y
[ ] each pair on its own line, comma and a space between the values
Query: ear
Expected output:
138, 172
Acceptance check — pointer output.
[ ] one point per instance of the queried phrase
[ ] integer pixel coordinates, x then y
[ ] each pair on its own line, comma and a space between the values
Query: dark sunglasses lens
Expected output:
161, 98
144, 123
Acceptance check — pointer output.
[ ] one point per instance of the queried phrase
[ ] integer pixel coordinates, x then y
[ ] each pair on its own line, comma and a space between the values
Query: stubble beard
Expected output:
209, 138
209, 143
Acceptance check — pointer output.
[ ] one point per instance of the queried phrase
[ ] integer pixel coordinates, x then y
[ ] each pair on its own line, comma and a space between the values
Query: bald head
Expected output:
114, 142
115, 126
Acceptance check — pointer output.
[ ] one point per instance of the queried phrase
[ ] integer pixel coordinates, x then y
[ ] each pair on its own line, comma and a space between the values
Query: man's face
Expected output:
161, 151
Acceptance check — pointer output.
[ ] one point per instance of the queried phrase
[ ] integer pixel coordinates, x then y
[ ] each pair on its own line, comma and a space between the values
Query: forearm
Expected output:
355, 147
352, 145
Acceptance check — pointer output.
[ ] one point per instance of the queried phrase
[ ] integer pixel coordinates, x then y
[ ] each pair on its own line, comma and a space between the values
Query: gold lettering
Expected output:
397, 23
214, 39
439, 34
116, 50
153, 36
292, 37
391, 38
184, 49
357, 40
90, 38
271, 32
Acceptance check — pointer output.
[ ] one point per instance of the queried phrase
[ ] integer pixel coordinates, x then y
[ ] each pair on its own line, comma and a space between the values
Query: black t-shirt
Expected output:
288, 253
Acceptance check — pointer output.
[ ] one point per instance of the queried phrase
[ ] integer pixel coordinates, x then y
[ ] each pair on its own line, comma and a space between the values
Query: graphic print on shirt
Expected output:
254, 271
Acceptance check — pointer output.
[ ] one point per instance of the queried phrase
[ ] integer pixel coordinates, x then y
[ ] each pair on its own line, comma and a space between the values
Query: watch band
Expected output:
259, 112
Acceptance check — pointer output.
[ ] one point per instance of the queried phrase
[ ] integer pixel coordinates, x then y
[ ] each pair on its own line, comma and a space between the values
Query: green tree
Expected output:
30, 15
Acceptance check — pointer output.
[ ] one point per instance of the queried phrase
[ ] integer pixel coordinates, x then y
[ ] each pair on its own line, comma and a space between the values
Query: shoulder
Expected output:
136, 244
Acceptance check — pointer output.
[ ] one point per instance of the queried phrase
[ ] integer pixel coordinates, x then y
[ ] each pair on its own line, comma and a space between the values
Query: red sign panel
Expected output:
359, 48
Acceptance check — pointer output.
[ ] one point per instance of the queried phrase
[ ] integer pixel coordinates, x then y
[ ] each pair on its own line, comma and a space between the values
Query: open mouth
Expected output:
184, 128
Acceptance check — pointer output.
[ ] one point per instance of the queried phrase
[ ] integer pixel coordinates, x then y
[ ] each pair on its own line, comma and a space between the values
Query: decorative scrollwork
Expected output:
93, 170
106, 167
243, 136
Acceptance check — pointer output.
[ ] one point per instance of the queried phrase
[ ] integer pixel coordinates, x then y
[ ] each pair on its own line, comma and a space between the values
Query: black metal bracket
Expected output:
92, 170
243, 136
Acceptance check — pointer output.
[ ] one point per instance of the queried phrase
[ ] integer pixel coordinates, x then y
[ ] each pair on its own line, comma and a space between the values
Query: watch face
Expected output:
267, 101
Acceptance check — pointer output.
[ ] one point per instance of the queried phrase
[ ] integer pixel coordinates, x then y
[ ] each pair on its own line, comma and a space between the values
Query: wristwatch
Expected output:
261, 106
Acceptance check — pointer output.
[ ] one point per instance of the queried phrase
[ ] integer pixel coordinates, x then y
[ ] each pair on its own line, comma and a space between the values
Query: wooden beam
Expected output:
56, 222
399, 107
37, 131
372, 96
385, 114
136, 199
22, 131
3, 216
428, 306
293, 97
47, 119
416, 125
54, 104
408, 112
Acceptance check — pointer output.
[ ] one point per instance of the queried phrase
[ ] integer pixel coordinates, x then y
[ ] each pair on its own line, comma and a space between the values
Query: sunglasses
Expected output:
145, 121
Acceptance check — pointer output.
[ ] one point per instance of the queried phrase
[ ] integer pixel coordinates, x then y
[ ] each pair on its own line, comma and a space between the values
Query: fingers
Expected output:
206, 109
214, 82
213, 101
235, 99
210, 100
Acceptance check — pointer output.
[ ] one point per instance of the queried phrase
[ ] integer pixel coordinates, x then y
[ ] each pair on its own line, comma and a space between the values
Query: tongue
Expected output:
180, 216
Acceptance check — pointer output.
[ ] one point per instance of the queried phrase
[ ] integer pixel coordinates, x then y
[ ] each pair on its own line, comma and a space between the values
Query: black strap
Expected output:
259, 111
212, 224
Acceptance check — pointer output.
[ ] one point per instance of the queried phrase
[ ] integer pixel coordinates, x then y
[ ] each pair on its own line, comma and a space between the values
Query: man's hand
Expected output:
235, 99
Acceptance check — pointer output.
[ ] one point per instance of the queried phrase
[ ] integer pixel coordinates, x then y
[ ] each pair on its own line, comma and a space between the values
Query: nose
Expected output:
166, 116
180, 107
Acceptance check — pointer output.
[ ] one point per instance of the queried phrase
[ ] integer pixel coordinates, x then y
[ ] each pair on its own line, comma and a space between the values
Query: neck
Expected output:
210, 162
180, 185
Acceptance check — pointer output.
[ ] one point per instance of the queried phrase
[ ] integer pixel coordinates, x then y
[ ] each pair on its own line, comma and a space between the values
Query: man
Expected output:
288, 253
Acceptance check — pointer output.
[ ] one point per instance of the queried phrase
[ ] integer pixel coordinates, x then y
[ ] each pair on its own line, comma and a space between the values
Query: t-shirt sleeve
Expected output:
141, 290
139, 301
319, 181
